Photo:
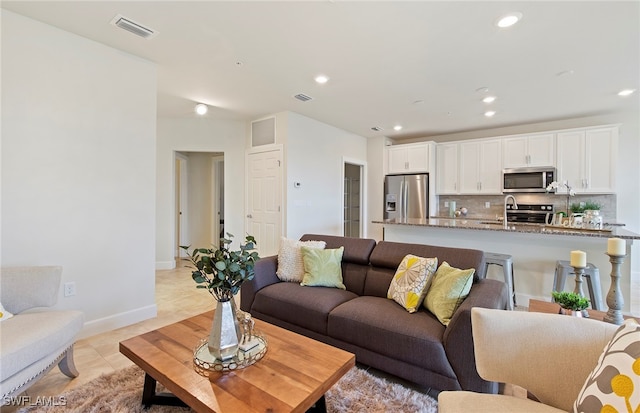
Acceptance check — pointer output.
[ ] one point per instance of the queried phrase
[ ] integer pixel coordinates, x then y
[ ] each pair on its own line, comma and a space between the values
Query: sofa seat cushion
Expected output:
303, 306
29, 337
385, 327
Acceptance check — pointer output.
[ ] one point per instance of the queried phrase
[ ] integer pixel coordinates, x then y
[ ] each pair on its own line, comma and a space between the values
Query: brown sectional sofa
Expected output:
380, 332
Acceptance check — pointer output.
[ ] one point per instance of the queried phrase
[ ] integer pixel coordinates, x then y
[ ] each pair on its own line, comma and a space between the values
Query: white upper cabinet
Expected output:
587, 159
481, 167
409, 158
529, 151
447, 171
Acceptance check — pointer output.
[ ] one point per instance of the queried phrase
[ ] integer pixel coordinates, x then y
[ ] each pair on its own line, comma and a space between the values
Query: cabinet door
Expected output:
515, 152
418, 157
570, 166
469, 167
600, 153
541, 150
398, 159
447, 168
490, 167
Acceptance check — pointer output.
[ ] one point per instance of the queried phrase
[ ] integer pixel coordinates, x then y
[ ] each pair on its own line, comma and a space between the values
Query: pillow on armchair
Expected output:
610, 386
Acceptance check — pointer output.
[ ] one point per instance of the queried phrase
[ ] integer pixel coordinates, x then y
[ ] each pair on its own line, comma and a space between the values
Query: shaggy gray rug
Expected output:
357, 391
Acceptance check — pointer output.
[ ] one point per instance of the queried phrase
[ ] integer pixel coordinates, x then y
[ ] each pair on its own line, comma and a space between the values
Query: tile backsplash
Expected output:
475, 204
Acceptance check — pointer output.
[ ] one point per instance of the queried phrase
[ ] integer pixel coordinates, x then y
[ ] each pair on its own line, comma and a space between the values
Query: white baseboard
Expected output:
165, 265
101, 325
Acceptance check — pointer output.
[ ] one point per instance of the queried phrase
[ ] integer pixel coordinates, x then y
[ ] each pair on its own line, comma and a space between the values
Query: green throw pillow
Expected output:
449, 288
411, 281
322, 268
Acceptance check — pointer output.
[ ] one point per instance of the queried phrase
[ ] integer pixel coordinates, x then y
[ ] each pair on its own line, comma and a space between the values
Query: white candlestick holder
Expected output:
615, 300
578, 271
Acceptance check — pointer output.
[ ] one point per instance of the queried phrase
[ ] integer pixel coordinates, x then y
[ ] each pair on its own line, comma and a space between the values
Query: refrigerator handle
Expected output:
405, 200
401, 201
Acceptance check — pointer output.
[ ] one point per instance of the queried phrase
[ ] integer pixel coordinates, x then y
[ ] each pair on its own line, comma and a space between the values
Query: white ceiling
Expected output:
248, 59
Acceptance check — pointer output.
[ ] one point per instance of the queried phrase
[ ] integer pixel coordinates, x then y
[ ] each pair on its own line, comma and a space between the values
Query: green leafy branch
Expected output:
222, 271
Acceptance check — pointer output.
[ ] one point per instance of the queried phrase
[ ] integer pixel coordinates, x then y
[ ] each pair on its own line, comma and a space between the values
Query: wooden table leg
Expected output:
150, 397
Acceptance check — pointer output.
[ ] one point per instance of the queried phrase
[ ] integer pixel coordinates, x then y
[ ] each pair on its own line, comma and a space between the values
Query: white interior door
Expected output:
264, 200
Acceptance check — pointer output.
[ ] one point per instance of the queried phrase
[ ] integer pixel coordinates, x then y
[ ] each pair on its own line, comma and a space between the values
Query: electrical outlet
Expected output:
446, 204
487, 204
69, 289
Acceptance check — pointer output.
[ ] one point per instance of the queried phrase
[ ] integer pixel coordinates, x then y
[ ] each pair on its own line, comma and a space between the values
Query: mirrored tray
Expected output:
205, 363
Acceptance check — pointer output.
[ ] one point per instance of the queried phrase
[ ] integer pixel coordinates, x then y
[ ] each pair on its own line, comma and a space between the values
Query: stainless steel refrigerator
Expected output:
406, 197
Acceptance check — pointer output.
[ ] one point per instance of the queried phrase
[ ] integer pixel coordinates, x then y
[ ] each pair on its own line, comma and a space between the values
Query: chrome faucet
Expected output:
515, 206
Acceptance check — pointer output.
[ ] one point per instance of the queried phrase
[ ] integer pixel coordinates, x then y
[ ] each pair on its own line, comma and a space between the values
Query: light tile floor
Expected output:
177, 298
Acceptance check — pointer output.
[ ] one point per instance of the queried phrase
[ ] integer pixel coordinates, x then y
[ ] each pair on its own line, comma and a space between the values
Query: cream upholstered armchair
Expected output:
36, 338
548, 354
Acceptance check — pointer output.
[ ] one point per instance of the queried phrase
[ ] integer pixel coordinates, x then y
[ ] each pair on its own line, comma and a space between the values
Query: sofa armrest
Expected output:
22, 288
264, 275
458, 337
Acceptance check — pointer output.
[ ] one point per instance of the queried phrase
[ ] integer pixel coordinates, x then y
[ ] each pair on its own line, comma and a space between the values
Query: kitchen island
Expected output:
535, 249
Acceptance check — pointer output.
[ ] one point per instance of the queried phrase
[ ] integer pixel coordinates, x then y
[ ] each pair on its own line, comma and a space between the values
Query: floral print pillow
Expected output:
614, 385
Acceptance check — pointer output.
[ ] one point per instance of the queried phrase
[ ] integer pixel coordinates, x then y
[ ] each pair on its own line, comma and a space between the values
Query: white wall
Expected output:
377, 157
200, 189
78, 168
315, 154
198, 135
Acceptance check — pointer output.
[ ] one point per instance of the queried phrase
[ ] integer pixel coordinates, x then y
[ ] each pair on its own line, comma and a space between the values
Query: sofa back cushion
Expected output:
355, 258
386, 257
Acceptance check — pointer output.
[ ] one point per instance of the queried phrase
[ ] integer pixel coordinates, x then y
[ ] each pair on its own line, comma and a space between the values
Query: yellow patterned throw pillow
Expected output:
4, 314
614, 384
449, 288
411, 281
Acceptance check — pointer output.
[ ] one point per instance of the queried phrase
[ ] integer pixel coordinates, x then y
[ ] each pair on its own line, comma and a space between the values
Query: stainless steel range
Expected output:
531, 213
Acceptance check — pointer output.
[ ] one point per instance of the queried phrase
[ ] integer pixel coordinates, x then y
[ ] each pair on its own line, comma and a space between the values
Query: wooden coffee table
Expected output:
293, 376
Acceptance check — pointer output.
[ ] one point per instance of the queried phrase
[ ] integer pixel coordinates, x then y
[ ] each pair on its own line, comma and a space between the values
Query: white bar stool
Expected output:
506, 262
591, 273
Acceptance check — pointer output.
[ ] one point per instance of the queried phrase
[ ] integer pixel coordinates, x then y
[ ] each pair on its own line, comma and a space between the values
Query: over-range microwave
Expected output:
527, 179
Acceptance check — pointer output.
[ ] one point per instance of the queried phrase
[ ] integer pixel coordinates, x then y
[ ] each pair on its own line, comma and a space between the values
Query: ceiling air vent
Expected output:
133, 27
302, 97
376, 128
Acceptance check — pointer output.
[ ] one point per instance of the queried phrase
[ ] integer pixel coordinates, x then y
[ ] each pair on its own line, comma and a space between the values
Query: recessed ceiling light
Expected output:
489, 99
489, 113
397, 127
509, 20
626, 92
201, 108
322, 79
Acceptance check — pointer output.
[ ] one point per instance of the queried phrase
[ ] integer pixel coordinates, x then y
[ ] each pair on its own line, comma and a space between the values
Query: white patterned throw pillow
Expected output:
411, 281
614, 384
290, 265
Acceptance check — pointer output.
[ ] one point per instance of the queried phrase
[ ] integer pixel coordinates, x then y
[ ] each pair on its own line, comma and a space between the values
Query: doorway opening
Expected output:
352, 206
199, 183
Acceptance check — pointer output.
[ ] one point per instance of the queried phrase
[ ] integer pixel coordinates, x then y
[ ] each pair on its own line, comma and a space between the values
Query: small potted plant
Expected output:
571, 303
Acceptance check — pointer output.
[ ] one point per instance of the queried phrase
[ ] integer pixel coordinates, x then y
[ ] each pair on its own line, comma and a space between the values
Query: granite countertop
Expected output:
494, 225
